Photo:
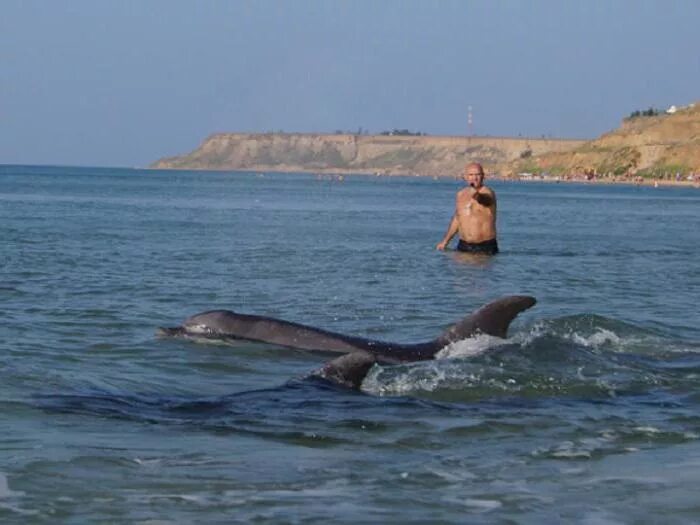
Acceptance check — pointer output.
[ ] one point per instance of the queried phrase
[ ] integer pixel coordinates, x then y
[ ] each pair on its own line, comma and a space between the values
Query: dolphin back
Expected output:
492, 319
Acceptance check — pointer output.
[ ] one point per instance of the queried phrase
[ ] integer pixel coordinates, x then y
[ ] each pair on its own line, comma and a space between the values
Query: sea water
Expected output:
589, 412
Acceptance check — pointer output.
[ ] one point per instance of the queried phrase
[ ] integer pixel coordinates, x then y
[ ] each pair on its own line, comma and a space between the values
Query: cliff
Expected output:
391, 155
655, 146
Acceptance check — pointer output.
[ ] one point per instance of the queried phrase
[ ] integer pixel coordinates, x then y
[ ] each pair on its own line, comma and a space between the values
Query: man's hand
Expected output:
482, 198
441, 246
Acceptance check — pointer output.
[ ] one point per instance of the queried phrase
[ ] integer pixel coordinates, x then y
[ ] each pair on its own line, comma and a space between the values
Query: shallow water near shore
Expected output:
587, 413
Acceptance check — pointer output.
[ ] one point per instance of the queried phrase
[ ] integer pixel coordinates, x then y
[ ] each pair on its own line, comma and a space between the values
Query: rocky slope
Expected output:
654, 146
391, 155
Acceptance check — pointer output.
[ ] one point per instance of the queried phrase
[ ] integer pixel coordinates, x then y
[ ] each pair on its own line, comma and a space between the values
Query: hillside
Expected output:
344, 153
655, 146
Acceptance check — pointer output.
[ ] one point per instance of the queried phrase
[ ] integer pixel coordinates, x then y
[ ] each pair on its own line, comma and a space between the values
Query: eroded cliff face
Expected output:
654, 145
390, 155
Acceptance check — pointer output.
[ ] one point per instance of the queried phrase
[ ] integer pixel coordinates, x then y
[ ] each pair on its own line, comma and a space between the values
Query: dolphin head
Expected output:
210, 322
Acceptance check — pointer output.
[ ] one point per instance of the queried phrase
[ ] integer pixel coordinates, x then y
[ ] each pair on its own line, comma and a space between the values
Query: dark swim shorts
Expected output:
486, 247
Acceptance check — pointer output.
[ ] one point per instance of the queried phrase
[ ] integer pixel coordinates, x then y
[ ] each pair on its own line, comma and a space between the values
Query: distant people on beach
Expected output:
475, 215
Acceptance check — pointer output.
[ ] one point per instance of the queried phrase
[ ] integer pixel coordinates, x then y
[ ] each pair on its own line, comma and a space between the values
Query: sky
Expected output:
124, 83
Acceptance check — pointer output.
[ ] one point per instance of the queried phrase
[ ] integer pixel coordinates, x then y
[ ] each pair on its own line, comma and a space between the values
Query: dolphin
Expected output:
492, 319
348, 370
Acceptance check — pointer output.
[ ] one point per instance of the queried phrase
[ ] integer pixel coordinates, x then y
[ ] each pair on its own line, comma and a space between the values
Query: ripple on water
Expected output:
593, 396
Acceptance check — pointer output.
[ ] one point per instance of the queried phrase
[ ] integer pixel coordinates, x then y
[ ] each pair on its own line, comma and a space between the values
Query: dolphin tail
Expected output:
493, 318
348, 370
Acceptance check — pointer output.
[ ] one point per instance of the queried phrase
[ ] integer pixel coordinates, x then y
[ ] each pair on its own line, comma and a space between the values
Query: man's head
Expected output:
474, 174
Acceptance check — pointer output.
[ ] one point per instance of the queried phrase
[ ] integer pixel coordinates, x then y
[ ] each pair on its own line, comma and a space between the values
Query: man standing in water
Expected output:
475, 215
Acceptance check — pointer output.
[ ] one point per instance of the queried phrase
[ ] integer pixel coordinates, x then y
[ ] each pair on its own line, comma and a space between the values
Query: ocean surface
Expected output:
588, 413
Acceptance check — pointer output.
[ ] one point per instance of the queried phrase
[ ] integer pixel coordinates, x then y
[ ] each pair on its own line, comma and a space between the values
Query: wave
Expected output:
581, 356
584, 357
592, 331
283, 413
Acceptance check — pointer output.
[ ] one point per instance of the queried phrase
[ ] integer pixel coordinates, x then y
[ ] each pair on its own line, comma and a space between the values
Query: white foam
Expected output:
147, 462
6, 495
597, 339
600, 517
428, 376
453, 477
483, 505
600, 337
584, 447
470, 347
424, 376
197, 499
536, 331
5, 491
647, 430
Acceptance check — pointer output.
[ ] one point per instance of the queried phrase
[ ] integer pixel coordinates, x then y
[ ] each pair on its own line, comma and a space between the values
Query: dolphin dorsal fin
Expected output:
492, 319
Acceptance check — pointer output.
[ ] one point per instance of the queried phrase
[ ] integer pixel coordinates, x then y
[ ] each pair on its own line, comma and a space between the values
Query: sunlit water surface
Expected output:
588, 413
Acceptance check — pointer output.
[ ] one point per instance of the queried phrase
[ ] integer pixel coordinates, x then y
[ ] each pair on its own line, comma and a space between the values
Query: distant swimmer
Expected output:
475, 215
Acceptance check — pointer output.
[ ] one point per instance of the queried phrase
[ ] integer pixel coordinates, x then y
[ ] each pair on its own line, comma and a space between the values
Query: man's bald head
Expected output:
474, 167
474, 174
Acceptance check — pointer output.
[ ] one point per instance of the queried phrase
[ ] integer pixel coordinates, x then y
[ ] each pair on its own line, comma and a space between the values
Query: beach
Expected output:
639, 181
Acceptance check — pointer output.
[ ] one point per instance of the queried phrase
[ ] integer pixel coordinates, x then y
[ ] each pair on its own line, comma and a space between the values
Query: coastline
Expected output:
654, 183
340, 174
653, 150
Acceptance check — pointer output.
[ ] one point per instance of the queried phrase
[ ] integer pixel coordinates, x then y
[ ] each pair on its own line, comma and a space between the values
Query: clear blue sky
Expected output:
122, 83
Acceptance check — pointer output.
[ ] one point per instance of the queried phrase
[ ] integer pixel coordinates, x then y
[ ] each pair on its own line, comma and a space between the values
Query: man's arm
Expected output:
452, 229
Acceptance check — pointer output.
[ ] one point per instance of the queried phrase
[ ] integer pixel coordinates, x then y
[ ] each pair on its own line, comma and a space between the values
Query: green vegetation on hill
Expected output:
404, 133
651, 112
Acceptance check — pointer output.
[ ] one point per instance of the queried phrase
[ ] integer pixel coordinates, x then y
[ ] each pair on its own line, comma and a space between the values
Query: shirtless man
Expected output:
475, 215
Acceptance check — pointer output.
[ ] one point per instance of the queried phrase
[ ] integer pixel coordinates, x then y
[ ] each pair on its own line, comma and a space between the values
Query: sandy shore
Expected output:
656, 183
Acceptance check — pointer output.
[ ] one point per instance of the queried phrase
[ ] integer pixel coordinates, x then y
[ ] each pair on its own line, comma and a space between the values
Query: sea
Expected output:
588, 412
